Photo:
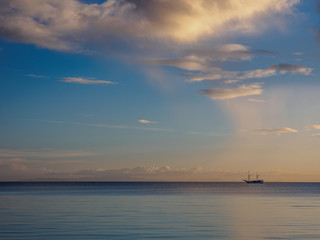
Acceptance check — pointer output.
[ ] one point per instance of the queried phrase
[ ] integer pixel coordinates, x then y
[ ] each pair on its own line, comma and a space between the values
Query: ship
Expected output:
257, 180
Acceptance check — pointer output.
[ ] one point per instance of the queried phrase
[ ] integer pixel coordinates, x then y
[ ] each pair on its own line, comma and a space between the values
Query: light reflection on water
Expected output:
162, 211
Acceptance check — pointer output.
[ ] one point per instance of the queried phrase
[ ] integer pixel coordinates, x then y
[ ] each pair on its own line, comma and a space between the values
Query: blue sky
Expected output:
159, 90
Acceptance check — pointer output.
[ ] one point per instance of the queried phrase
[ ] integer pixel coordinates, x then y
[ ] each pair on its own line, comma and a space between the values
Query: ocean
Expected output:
159, 210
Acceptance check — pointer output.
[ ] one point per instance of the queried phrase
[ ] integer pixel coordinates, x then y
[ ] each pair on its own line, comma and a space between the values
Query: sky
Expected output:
159, 90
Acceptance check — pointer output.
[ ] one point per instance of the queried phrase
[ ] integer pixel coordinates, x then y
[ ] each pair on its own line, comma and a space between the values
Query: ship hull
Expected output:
254, 181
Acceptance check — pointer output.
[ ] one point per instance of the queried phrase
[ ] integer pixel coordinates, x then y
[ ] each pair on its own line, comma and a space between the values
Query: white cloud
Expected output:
277, 130
242, 90
146, 121
68, 25
85, 81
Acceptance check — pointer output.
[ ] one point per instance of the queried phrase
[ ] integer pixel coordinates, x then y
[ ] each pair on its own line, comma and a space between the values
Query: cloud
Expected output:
212, 134
103, 125
146, 121
143, 173
241, 91
5, 153
223, 52
219, 74
231, 81
22, 164
318, 35
257, 73
150, 173
316, 134
85, 81
14, 164
255, 100
17, 171
189, 63
290, 68
36, 76
68, 25
206, 59
277, 130
215, 74
312, 127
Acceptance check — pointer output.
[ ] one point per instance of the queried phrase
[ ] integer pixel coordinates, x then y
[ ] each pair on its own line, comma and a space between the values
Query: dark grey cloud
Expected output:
290, 68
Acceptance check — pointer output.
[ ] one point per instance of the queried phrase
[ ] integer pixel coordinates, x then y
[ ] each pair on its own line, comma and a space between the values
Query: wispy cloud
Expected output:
212, 134
231, 81
81, 80
157, 173
36, 76
312, 127
143, 173
46, 24
256, 100
5, 153
290, 68
190, 63
147, 121
225, 52
102, 125
277, 130
230, 93
206, 59
273, 70
14, 171
22, 164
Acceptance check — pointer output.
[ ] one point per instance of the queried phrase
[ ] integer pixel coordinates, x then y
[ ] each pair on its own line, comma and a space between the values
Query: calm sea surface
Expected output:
159, 211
